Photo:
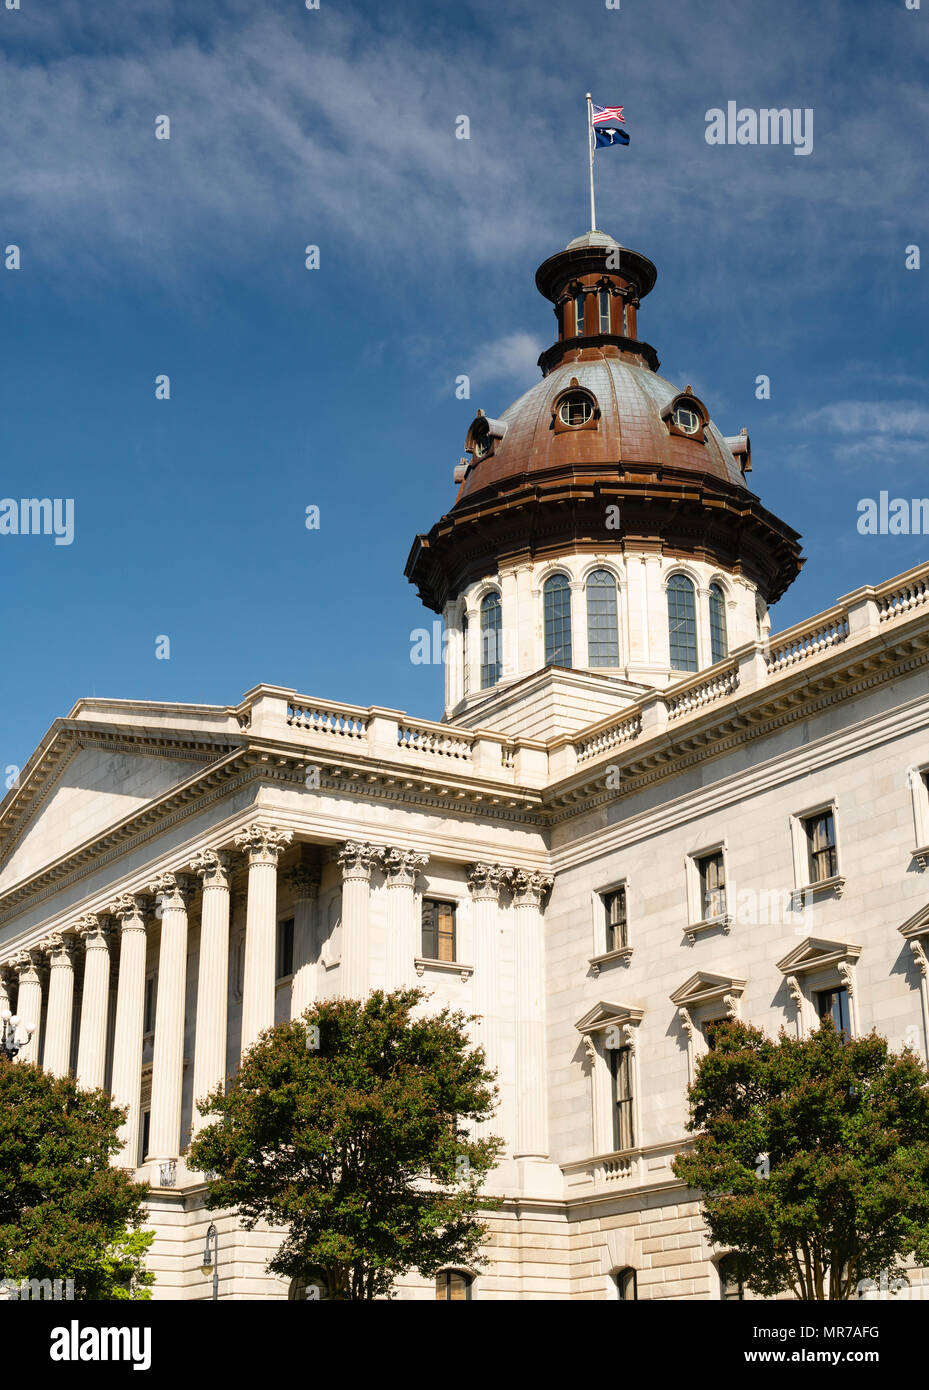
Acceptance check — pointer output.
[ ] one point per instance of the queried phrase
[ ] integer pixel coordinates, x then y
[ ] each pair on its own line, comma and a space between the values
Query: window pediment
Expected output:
816, 953
704, 988
606, 1015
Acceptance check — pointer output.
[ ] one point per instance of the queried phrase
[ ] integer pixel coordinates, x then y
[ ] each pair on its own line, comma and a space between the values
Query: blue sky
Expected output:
336, 387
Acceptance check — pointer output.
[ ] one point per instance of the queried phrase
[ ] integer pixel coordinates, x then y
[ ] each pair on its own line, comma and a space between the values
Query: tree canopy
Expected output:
813, 1157
351, 1128
65, 1211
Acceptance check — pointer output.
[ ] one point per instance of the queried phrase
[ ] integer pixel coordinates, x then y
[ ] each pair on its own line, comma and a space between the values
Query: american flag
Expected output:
606, 115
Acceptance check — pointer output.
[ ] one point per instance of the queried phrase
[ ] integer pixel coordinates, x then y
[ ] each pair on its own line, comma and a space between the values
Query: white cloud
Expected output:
869, 431
512, 358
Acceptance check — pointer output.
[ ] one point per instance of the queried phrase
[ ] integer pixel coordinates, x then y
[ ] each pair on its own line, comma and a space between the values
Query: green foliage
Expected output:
356, 1147
65, 1211
844, 1127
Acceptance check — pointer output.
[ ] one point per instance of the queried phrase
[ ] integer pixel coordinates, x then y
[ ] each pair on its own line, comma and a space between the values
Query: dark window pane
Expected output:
491, 641
682, 623
438, 923
732, 1286
627, 1285
621, 1072
712, 886
557, 604
616, 919
285, 948
719, 642
833, 1003
453, 1285
602, 621
820, 834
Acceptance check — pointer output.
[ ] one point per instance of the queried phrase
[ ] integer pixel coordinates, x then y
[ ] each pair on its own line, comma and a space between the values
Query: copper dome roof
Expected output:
541, 485
630, 430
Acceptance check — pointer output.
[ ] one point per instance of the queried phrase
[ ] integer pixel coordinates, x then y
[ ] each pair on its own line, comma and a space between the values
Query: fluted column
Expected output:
401, 867
6, 1006
263, 845
29, 1001
95, 1003
357, 860
130, 911
485, 882
56, 1056
531, 1109
305, 881
214, 867
174, 891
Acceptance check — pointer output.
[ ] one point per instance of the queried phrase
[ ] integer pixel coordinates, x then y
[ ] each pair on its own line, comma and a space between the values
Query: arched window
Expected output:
453, 1284
626, 1285
309, 1288
682, 623
465, 656
557, 602
719, 641
602, 625
491, 638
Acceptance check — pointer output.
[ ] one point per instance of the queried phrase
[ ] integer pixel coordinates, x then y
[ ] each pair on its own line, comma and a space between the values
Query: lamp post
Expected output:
211, 1257
14, 1034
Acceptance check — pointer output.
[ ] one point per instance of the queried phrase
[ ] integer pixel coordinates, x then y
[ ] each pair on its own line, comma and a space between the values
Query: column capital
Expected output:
486, 880
130, 909
59, 948
304, 879
174, 889
27, 963
530, 887
213, 867
357, 858
402, 865
93, 929
263, 843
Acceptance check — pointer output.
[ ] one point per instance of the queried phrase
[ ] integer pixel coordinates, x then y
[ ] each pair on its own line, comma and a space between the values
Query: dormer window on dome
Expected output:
686, 416
575, 409
483, 435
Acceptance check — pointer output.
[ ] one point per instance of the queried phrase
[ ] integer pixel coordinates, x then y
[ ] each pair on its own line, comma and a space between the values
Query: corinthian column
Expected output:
305, 881
401, 867
213, 866
263, 845
174, 891
357, 860
56, 1057
485, 882
531, 1110
29, 1002
95, 1003
129, 911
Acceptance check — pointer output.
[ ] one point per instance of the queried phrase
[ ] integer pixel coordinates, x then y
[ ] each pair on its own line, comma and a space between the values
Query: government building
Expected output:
642, 812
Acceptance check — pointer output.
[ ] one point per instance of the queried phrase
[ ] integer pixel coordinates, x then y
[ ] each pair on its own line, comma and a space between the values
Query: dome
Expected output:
601, 435
631, 431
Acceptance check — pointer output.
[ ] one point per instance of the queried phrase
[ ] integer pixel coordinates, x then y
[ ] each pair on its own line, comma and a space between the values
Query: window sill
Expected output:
825, 885
451, 967
598, 962
724, 922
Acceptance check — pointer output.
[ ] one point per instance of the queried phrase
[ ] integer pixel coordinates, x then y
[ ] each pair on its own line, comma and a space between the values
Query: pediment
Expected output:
917, 925
706, 988
83, 782
815, 953
605, 1014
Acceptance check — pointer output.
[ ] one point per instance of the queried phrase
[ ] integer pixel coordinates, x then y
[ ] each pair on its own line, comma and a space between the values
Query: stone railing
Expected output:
903, 599
437, 739
703, 690
339, 721
805, 642
605, 739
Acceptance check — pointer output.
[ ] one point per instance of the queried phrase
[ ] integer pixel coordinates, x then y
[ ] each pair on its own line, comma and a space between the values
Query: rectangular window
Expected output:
615, 905
820, 837
833, 1003
604, 298
151, 998
621, 1073
465, 669
438, 930
285, 948
579, 315
709, 1026
712, 873
143, 1136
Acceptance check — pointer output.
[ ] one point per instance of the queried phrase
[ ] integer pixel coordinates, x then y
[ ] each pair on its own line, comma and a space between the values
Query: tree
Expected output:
65, 1211
344, 1128
813, 1157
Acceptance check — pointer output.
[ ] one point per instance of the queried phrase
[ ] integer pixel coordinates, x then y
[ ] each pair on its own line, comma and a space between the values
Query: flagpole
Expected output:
590, 151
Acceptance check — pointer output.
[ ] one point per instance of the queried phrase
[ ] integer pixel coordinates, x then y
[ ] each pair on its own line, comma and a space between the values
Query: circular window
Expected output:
575, 409
481, 445
686, 419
